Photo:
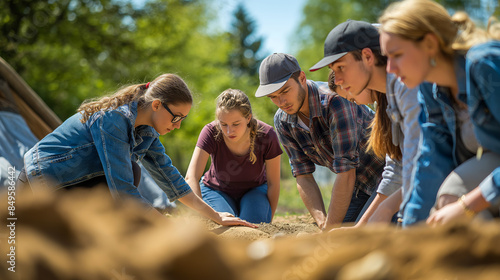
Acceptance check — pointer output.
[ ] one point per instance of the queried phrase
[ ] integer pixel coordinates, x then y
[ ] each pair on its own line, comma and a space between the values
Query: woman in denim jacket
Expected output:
103, 142
421, 42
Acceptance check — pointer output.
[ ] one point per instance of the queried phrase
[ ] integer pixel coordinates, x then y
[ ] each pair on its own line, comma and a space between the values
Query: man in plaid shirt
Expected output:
316, 126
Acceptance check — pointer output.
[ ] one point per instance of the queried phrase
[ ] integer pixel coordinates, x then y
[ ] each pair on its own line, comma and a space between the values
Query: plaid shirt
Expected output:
337, 138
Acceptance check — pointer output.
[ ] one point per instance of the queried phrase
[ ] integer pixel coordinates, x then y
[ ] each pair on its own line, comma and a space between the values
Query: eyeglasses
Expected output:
176, 118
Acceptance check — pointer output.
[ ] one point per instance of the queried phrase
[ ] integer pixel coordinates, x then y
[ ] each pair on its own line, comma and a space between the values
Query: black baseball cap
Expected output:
274, 72
348, 36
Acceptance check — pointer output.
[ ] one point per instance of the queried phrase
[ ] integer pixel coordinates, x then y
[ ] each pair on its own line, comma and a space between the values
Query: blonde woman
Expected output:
102, 143
457, 72
244, 174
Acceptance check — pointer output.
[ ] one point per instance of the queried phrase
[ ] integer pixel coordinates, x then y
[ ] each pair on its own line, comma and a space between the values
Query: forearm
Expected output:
194, 184
377, 201
341, 198
387, 209
311, 196
476, 201
196, 203
273, 193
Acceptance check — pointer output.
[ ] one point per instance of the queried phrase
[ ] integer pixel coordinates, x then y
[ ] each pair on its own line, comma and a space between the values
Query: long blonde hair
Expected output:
235, 99
413, 19
168, 88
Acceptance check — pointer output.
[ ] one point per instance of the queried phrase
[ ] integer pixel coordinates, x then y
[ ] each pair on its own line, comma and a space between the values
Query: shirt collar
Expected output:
314, 104
459, 69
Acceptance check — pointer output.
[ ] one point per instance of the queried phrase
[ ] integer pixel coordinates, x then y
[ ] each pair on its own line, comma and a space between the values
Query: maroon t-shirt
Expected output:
233, 174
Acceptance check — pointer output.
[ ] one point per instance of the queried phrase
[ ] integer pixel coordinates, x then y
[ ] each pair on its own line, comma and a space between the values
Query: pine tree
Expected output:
244, 60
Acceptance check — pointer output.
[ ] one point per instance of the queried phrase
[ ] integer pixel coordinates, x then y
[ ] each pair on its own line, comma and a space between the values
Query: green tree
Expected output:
321, 16
66, 50
244, 59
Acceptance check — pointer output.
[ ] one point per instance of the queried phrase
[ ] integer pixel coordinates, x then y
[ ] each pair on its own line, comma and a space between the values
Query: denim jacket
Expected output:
103, 145
483, 97
436, 156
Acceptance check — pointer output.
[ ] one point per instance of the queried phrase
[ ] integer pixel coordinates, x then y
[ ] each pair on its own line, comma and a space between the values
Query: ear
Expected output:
430, 44
302, 78
368, 57
155, 105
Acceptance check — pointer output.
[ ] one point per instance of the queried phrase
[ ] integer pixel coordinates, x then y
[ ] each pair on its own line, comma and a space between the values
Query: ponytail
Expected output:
168, 88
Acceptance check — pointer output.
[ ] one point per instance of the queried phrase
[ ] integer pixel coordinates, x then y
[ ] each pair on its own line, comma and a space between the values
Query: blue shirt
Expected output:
337, 138
437, 154
483, 99
103, 145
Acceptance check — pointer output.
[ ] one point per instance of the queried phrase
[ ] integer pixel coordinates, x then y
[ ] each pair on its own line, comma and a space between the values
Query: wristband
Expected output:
468, 212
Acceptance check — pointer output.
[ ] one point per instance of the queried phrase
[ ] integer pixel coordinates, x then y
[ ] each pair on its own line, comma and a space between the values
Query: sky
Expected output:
275, 20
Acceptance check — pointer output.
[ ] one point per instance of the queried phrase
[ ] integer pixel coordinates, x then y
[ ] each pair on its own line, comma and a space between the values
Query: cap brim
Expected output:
264, 90
327, 60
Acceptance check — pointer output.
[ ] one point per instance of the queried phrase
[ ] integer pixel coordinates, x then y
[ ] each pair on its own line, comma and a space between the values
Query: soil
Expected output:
86, 235
282, 226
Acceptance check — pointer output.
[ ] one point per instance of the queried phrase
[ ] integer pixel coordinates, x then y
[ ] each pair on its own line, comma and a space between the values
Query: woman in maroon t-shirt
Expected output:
244, 174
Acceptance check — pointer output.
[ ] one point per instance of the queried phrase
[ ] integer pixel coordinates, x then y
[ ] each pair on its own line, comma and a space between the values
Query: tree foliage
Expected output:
72, 50
244, 58
321, 16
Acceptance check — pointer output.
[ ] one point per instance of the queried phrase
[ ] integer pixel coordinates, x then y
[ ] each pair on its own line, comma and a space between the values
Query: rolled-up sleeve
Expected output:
391, 177
490, 187
344, 134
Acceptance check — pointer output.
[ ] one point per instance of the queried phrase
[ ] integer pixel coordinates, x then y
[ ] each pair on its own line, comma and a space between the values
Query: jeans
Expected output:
22, 180
356, 207
253, 206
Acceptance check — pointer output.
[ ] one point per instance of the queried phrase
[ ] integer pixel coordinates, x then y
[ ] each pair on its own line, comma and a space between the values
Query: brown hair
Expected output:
380, 141
235, 99
168, 88
380, 60
413, 19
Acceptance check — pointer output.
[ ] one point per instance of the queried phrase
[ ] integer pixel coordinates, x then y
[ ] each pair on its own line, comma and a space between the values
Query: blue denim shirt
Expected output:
483, 98
436, 156
104, 145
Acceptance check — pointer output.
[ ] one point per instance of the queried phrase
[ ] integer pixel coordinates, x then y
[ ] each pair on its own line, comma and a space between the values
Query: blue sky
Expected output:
276, 20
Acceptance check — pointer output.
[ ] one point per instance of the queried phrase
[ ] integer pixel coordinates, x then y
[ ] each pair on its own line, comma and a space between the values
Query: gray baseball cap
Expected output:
274, 72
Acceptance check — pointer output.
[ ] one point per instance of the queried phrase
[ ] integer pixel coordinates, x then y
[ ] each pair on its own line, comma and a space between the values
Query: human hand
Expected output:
228, 219
446, 214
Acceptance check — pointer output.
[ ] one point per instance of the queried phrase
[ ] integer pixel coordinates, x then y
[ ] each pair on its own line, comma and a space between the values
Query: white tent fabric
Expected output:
15, 140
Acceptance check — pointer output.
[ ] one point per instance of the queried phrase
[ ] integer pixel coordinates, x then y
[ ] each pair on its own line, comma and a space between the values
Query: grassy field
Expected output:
290, 202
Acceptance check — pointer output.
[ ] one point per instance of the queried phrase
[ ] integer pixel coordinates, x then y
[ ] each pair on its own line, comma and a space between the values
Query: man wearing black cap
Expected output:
352, 51
316, 126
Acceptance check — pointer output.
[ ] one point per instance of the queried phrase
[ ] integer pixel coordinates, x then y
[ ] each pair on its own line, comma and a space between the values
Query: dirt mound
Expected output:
281, 227
86, 235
